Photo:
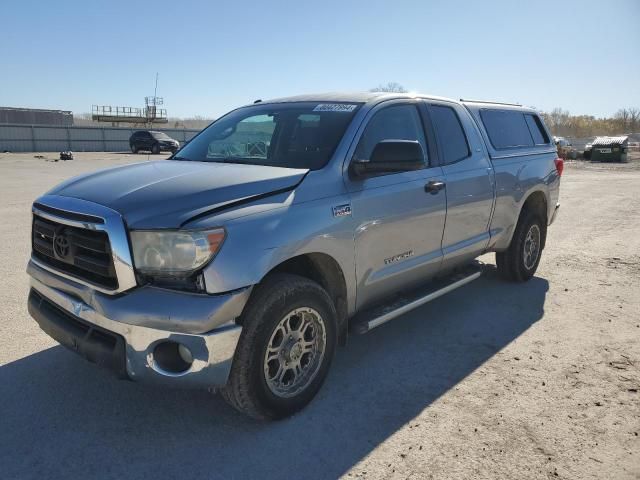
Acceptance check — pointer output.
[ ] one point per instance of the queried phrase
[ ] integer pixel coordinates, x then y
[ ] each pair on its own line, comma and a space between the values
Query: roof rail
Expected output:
493, 103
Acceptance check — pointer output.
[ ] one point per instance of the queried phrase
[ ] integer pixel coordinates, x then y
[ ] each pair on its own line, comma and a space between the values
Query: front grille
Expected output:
82, 253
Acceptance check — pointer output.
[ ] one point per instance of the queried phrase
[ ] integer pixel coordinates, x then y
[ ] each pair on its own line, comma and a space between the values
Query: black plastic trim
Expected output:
95, 344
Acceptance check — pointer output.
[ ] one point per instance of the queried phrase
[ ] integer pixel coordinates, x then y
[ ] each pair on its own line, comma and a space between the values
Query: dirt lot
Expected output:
492, 381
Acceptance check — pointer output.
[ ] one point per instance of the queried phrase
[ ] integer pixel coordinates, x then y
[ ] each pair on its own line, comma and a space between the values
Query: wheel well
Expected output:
537, 204
324, 270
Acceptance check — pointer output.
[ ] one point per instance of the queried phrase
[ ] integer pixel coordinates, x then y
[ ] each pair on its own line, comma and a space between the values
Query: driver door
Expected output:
398, 223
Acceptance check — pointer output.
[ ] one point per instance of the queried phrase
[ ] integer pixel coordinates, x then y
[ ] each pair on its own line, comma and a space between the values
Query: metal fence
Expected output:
45, 138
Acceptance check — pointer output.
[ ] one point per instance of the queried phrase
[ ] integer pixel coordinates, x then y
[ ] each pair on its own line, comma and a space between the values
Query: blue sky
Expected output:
583, 56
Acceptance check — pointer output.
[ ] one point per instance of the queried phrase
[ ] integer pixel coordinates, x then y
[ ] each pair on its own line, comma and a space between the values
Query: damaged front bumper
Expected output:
136, 334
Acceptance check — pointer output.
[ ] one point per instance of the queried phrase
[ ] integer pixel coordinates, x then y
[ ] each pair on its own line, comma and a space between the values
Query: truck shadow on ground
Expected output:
62, 417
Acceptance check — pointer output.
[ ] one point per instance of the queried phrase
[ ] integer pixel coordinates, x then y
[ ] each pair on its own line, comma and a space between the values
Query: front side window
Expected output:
290, 135
451, 137
399, 122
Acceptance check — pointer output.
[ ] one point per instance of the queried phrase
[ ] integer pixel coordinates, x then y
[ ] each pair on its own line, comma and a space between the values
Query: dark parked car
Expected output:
154, 142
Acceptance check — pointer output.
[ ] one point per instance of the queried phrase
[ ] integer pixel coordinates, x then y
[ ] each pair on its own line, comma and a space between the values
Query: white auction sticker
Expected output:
335, 107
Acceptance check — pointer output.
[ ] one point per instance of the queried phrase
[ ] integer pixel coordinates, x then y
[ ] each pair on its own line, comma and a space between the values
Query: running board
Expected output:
370, 319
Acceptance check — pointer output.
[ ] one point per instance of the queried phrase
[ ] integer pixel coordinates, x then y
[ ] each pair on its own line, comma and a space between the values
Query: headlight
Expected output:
174, 252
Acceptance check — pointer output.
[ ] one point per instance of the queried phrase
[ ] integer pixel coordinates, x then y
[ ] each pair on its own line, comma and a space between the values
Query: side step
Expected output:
376, 316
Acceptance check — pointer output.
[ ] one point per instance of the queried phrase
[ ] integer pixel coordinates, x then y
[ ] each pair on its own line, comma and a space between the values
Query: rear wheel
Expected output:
134, 149
285, 350
520, 261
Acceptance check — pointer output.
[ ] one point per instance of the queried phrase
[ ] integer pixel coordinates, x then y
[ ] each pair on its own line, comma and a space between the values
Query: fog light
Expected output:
172, 357
185, 354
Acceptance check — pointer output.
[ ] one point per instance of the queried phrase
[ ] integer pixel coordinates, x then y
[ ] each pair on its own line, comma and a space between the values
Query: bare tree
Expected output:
558, 121
622, 118
394, 87
634, 119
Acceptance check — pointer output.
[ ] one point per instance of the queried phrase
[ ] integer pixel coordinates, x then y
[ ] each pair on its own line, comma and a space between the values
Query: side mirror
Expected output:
390, 156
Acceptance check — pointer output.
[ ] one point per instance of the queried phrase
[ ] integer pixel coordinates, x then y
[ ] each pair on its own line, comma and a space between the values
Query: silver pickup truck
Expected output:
240, 263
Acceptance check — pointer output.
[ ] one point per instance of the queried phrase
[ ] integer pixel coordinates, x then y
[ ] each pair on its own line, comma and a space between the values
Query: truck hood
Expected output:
169, 193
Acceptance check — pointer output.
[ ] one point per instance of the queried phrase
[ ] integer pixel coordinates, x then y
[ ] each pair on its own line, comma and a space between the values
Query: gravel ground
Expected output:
494, 380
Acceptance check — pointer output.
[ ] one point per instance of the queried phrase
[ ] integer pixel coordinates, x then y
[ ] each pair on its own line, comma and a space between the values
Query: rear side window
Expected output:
506, 128
537, 131
451, 137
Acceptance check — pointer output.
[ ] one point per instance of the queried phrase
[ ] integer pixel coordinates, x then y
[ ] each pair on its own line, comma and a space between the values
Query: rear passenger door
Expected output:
398, 223
148, 140
469, 182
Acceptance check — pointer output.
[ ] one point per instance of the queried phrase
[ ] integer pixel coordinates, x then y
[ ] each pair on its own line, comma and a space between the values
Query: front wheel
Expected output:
285, 350
155, 149
520, 261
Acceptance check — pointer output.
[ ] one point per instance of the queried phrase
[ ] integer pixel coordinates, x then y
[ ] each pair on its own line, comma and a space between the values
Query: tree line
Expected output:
563, 124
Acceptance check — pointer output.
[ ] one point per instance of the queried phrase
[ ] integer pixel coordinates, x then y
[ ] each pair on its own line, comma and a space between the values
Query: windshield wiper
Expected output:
239, 160
230, 159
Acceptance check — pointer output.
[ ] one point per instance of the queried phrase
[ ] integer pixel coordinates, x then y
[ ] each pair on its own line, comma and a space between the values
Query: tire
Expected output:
520, 261
254, 383
134, 149
155, 149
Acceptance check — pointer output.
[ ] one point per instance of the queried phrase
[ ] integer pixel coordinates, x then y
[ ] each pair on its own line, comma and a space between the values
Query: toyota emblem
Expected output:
61, 245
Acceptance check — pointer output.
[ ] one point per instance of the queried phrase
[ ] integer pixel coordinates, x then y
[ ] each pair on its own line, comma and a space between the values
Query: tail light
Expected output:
559, 166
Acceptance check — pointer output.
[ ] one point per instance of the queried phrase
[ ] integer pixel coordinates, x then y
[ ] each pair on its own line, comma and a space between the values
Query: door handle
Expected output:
434, 186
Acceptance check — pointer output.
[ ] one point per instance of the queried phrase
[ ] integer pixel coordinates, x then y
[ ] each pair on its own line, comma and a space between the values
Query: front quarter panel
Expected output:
258, 242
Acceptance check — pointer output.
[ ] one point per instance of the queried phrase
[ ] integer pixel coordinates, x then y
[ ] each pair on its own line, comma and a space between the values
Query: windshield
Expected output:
291, 135
160, 136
